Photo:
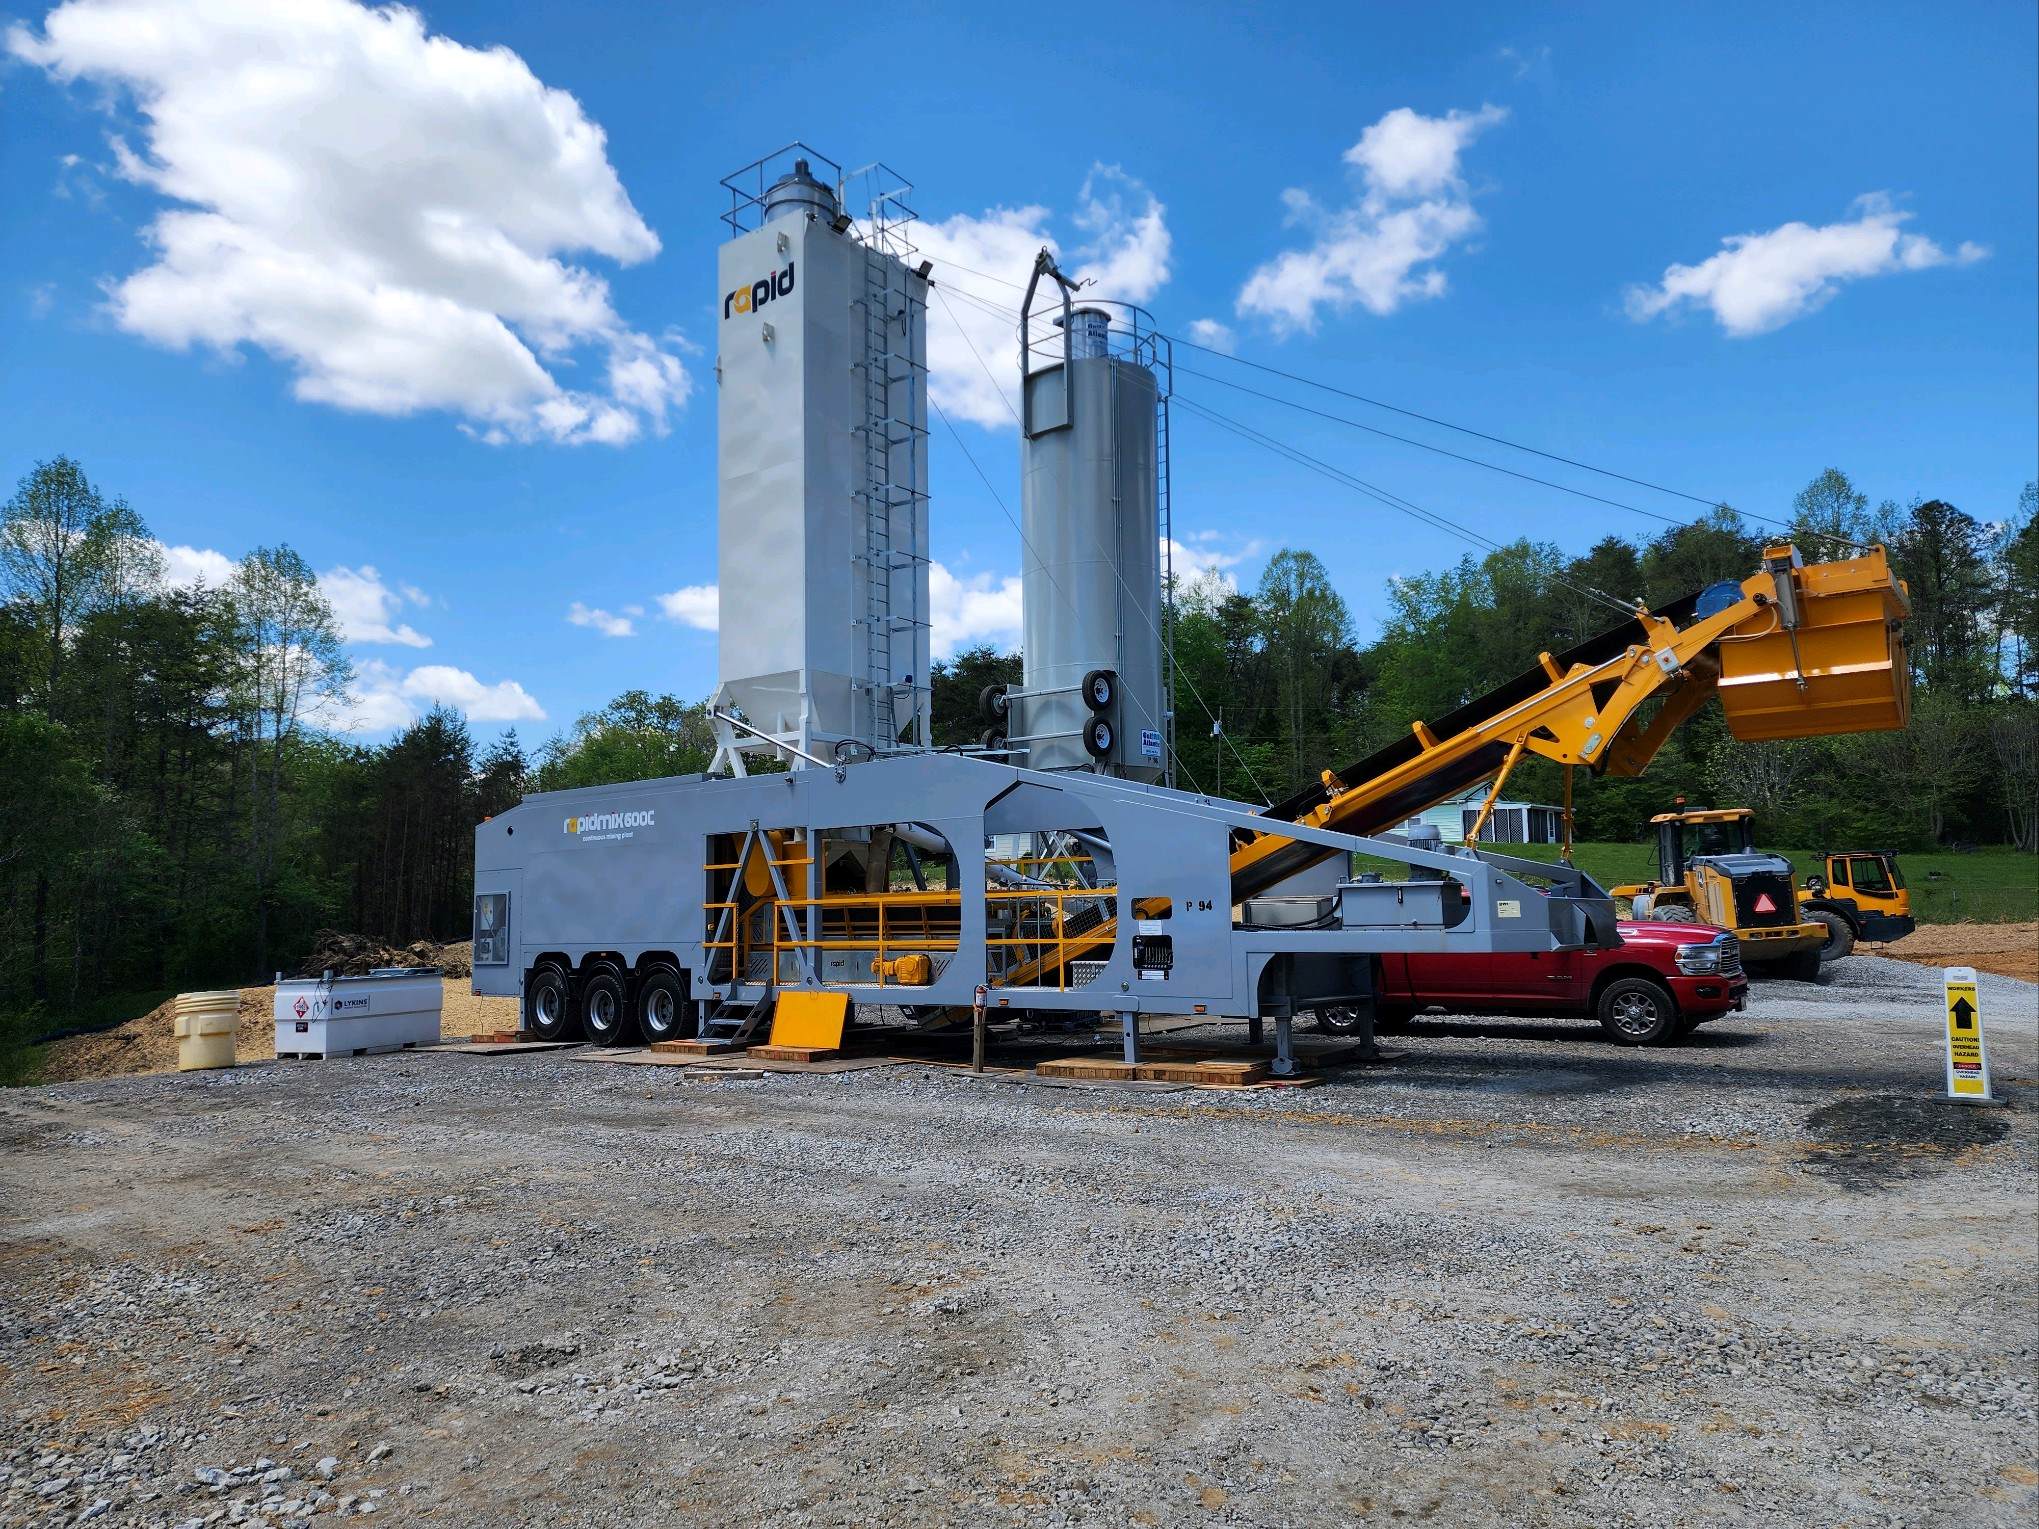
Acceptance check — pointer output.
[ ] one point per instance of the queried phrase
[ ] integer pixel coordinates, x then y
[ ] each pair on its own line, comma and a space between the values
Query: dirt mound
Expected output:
2009, 950
356, 955
148, 1044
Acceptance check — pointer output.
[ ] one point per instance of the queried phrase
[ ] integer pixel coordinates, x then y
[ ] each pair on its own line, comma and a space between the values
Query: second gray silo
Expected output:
1091, 588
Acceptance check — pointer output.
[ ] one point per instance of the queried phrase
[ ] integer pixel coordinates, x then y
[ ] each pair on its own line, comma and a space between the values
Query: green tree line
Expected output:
180, 807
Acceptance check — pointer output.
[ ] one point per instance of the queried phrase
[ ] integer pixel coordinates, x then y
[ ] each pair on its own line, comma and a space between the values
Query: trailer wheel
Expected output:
662, 1008
1098, 738
991, 702
548, 1003
1840, 934
1100, 689
1638, 1012
602, 1006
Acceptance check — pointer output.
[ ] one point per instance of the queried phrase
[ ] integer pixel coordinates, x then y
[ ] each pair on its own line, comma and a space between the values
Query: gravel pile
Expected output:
1518, 1276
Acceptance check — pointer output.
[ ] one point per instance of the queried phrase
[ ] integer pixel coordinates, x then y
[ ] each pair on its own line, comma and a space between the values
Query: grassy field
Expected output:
1986, 886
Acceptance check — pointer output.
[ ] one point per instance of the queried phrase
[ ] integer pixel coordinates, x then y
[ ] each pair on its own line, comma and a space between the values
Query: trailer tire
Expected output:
602, 1006
1637, 1012
1100, 689
991, 702
1098, 738
1840, 934
663, 1013
548, 1003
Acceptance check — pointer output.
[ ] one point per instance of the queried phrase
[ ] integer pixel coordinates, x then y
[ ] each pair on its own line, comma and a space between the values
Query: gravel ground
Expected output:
1520, 1276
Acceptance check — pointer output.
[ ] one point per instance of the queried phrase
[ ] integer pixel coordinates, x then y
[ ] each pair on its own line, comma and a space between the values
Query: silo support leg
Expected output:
1284, 1064
1129, 1026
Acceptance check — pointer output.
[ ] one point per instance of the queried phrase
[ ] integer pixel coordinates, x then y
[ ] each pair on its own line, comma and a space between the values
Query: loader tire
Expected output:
1675, 913
1840, 934
1800, 966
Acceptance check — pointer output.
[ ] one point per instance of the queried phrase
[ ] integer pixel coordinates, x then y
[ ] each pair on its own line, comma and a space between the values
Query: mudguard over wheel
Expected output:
1638, 1012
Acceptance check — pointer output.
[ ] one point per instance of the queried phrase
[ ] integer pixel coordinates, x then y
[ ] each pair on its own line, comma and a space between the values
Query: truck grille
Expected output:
1772, 892
1730, 956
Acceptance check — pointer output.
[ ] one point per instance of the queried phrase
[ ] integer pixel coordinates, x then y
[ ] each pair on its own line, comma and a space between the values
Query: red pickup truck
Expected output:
1648, 991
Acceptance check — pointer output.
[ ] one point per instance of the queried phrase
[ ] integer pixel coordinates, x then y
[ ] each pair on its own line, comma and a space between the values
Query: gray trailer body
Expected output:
622, 877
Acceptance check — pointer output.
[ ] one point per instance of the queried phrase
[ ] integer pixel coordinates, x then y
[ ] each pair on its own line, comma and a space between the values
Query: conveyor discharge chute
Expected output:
1841, 669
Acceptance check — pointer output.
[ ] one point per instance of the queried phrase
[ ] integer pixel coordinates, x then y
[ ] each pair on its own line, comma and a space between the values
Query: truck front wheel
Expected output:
546, 1003
1638, 1012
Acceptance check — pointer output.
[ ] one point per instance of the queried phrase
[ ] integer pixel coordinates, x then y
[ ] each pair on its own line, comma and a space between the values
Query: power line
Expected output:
989, 306
1392, 500
1408, 440
1430, 419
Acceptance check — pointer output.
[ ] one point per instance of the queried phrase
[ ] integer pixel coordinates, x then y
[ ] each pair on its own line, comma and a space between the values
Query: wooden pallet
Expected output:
794, 1053
1205, 1073
701, 1048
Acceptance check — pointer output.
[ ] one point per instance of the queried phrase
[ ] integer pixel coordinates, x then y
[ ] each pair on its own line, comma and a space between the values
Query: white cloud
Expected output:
1760, 282
367, 609
1211, 332
380, 209
1201, 559
189, 567
384, 698
1123, 248
695, 605
608, 624
979, 607
1380, 251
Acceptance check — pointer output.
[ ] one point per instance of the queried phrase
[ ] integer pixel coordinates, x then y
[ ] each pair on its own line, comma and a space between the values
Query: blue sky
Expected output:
329, 277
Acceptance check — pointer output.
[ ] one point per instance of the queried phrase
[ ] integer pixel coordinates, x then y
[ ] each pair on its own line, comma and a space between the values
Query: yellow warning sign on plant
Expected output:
1967, 1055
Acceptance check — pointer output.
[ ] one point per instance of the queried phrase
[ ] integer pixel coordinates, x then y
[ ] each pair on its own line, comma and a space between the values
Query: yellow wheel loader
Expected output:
1709, 871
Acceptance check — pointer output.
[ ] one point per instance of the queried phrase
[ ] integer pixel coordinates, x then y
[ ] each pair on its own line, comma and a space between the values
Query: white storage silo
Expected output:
1091, 494
822, 553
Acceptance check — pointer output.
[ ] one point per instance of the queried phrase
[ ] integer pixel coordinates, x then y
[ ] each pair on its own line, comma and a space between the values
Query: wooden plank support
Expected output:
1200, 1072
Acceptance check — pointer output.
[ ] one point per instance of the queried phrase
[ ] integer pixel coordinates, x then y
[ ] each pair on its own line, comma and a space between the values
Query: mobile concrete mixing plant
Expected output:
866, 873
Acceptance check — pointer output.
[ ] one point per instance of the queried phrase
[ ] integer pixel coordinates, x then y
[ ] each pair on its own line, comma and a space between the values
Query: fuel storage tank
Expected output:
822, 547
1093, 477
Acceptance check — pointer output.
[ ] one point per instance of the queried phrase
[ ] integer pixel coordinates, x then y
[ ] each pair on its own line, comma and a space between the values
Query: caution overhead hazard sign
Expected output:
1967, 1055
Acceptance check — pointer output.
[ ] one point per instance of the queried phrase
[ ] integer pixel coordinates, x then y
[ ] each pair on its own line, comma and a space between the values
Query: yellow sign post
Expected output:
1967, 1056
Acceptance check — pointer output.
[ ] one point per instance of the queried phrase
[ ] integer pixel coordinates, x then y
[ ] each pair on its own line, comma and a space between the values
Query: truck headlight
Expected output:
1699, 960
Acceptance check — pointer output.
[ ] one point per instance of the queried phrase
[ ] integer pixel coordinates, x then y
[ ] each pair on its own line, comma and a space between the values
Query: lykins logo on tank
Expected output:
753, 297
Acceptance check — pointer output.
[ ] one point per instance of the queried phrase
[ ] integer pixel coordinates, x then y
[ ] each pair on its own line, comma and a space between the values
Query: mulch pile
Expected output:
356, 955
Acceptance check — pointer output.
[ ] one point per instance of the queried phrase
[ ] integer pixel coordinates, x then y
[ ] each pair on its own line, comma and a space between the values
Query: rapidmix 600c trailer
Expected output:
1054, 866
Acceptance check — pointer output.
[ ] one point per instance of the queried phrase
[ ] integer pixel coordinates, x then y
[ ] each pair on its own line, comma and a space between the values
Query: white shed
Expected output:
1511, 822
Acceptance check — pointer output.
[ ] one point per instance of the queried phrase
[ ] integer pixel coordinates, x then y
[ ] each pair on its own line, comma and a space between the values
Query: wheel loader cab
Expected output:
1683, 837
1867, 890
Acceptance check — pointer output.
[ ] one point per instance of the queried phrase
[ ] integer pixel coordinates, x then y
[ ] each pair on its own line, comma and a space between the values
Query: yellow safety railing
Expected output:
904, 923
1061, 941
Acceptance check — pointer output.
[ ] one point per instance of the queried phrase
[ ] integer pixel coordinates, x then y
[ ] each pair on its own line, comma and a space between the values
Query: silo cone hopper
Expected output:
1827, 656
